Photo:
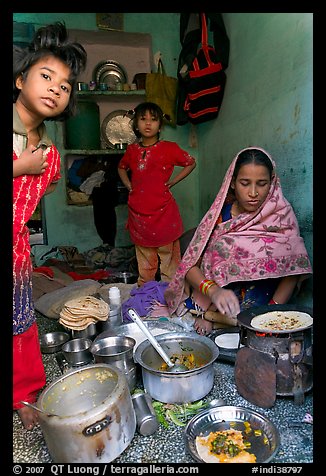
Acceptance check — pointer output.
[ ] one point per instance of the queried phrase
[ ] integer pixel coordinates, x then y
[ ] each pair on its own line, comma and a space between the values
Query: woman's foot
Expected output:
29, 417
202, 326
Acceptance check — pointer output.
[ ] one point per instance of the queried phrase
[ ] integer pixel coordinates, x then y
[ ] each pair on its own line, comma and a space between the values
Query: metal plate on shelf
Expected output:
264, 446
111, 73
116, 128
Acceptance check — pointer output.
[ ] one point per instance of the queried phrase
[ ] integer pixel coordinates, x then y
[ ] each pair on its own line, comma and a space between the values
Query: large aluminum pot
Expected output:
96, 419
171, 387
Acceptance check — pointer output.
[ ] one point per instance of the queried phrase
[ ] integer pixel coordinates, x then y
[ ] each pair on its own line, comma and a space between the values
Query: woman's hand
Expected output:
225, 300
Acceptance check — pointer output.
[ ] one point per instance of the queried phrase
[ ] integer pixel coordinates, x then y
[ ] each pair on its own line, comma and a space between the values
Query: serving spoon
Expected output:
37, 408
172, 366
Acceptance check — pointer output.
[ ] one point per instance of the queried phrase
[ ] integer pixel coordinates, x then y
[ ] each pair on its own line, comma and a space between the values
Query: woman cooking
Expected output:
247, 250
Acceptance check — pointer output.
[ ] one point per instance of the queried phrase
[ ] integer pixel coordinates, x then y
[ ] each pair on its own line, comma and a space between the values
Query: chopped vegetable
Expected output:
178, 414
172, 416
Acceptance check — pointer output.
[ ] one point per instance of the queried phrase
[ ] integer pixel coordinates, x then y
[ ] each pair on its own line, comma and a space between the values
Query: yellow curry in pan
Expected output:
188, 360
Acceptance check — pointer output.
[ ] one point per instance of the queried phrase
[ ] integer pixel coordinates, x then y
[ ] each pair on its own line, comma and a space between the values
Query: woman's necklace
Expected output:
235, 210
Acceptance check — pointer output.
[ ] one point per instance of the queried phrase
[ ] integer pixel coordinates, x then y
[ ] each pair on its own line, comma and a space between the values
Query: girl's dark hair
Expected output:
51, 40
140, 111
253, 156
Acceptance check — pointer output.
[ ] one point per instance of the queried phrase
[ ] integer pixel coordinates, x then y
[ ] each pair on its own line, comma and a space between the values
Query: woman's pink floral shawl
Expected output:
259, 245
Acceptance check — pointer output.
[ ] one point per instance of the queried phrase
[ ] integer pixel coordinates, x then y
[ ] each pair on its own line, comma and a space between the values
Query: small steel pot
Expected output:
90, 332
188, 386
77, 351
117, 351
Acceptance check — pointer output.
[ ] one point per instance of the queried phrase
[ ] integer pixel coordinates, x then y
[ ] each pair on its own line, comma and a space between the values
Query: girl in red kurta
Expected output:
44, 80
154, 220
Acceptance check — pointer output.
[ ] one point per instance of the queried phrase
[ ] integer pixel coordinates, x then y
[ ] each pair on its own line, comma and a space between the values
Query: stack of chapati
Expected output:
78, 313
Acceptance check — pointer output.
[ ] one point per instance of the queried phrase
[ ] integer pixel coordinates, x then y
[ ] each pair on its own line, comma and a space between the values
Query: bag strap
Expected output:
204, 37
160, 67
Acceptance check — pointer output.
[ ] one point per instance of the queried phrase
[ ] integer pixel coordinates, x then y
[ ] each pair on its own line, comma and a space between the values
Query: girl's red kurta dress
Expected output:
153, 215
28, 190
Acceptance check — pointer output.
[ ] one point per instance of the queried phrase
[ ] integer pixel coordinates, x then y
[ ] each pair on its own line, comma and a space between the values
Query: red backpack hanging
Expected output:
205, 82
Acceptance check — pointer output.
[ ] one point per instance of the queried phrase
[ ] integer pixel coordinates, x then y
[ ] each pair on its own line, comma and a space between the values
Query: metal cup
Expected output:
146, 419
77, 351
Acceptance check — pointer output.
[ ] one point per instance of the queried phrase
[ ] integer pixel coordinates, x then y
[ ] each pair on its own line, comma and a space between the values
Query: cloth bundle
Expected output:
145, 299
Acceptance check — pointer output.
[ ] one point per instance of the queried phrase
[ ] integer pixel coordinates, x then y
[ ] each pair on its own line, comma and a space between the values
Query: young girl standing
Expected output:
154, 220
44, 82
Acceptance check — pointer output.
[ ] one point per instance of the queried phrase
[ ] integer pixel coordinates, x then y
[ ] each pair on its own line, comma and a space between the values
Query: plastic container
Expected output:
83, 129
115, 316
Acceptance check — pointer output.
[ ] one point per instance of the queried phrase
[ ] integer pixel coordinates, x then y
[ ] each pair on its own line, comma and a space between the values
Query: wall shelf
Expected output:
94, 152
123, 94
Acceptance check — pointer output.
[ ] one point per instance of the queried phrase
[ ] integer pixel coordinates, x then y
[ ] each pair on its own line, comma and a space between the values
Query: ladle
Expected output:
37, 408
172, 367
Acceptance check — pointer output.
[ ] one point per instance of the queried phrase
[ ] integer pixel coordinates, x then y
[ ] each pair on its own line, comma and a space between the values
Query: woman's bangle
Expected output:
273, 302
205, 285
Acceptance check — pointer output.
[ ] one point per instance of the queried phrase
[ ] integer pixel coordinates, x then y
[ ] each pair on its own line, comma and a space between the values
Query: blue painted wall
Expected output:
267, 102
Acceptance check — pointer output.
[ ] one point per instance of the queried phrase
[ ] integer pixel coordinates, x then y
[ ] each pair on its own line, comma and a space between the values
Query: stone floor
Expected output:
168, 445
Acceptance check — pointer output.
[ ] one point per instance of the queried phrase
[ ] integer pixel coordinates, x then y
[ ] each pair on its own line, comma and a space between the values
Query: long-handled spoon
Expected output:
172, 367
37, 408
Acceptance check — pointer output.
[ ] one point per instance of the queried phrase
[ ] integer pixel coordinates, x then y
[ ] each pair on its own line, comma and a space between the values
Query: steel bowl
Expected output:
178, 387
53, 341
125, 277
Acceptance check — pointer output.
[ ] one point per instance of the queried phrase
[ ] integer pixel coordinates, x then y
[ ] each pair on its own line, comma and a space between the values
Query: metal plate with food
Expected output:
116, 128
246, 317
110, 72
260, 435
282, 321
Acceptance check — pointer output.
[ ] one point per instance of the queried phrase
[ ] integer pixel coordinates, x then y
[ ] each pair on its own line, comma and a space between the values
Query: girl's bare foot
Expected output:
29, 417
202, 326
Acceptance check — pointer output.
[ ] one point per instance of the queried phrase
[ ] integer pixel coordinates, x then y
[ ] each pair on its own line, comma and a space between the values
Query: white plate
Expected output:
228, 340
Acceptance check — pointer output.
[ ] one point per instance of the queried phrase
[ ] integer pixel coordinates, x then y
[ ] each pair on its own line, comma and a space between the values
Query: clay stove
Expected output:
275, 363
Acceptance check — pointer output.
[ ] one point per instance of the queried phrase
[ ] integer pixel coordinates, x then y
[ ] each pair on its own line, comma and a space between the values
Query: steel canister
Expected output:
146, 418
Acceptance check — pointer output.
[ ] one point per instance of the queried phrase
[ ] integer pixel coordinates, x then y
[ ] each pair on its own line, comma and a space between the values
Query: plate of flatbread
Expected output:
231, 434
78, 313
282, 321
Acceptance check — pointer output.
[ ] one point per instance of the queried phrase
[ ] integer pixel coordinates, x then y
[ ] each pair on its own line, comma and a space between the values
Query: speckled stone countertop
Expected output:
167, 445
